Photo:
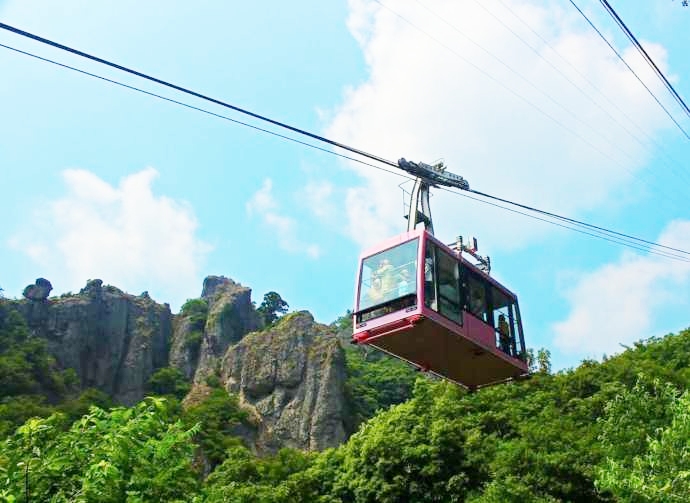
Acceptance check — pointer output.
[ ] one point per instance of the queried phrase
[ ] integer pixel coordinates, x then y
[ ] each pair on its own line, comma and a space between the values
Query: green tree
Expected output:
647, 437
272, 307
218, 415
169, 381
140, 454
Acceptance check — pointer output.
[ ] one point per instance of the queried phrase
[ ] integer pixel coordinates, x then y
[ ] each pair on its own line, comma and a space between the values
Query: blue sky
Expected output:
100, 181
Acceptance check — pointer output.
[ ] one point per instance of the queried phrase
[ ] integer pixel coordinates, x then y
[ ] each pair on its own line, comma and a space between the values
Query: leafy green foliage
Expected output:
374, 381
30, 380
272, 307
137, 454
196, 311
646, 432
169, 381
245, 478
218, 415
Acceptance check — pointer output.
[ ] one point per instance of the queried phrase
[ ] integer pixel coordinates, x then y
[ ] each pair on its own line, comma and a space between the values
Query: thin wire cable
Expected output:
195, 94
578, 222
645, 55
670, 162
614, 145
629, 68
643, 182
529, 208
621, 242
532, 84
203, 110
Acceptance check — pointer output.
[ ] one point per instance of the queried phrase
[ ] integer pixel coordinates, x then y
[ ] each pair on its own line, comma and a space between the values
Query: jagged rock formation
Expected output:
38, 291
291, 376
113, 340
198, 345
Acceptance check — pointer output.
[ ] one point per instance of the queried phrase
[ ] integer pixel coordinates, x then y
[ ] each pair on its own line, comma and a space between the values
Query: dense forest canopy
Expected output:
617, 430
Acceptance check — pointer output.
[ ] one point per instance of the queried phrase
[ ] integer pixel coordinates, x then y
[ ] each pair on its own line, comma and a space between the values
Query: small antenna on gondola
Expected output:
484, 263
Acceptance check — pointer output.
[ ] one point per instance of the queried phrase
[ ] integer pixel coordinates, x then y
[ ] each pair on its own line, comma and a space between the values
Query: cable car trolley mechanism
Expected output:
427, 303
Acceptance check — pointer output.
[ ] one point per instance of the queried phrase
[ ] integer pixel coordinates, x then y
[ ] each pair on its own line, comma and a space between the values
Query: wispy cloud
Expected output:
619, 303
125, 235
264, 205
426, 99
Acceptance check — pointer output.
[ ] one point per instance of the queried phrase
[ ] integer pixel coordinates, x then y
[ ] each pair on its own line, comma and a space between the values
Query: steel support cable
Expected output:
553, 215
536, 107
629, 68
645, 55
203, 110
651, 141
581, 231
195, 94
578, 222
535, 86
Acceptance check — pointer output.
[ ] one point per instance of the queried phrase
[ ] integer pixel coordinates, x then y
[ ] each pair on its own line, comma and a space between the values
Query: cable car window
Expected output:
507, 322
477, 298
448, 282
430, 276
388, 275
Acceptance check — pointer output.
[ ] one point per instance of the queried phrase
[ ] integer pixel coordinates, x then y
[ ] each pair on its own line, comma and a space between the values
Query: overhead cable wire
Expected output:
532, 104
193, 93
600, 235
203, 110
645, 55
578, 222
668, 161
370, 156
528, 81
630, 68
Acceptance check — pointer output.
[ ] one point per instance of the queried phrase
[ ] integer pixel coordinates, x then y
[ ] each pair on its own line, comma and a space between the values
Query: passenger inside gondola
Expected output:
504, 338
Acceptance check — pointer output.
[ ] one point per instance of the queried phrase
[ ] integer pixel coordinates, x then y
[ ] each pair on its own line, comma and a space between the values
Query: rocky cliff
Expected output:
113, 340
201, 336
291, 377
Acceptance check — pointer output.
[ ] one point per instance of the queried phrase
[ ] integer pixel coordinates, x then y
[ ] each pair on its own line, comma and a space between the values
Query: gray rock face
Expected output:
230, 317
113, 340
291, 377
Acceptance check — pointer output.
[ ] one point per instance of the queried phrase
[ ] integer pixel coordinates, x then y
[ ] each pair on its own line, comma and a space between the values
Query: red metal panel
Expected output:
479, 331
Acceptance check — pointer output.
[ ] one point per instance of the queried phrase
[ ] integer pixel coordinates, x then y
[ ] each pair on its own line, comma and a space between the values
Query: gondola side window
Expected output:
448, 286
388, 275
430, 276
477, 303
507, 319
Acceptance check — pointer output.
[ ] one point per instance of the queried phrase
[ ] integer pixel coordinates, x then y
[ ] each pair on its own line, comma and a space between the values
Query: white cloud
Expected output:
318, 197
621, 302
422, 102
125, 235
264, 205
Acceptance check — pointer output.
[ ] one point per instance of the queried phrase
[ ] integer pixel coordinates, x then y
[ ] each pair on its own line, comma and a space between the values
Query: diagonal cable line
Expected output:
193, 93
541, 110
629, 68
670, 162
619, 241
645, 55
623, 239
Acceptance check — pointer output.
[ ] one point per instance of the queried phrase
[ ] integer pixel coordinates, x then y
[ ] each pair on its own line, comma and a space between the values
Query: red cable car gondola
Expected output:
424, 302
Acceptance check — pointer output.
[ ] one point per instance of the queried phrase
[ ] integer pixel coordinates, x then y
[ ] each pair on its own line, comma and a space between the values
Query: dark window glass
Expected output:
448, 283
430, 276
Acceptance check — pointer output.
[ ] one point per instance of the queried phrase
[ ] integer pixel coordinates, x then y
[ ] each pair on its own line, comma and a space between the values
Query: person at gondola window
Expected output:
386, 274
404, 283
503, 334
